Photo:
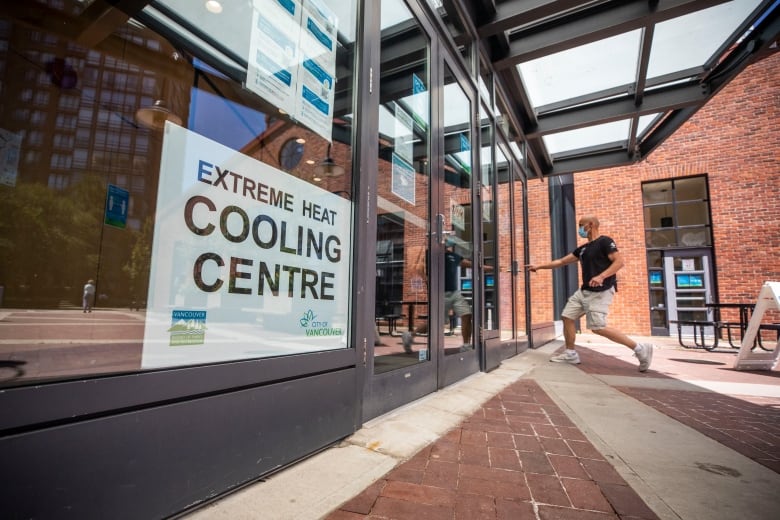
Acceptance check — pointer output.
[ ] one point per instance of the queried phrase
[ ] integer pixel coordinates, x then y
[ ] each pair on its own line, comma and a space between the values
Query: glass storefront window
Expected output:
185, 229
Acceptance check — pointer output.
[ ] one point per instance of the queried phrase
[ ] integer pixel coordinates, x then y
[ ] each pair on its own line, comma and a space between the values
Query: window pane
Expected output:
195, 240
403, 183
589, 68
694, 188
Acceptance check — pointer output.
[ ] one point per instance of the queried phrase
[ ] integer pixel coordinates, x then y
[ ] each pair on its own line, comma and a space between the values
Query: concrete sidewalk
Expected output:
534, 439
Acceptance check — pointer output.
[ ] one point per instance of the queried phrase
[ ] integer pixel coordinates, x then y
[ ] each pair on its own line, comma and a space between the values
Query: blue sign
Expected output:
117, 201
404, 180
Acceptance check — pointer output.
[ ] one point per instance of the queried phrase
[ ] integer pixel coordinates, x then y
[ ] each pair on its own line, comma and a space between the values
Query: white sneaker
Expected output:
644, 353
568, 356
406, 339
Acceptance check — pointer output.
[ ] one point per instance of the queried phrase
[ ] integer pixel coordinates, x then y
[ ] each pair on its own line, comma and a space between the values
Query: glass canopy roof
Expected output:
592, 84
602, 83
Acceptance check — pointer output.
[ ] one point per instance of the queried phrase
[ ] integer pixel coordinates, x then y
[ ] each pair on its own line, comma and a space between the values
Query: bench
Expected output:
699, 338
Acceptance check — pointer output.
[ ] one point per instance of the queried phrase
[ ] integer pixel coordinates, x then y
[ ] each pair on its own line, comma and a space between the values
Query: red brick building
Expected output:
734, 142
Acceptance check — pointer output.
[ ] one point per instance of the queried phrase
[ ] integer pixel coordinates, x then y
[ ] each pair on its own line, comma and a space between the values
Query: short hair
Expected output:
590, 220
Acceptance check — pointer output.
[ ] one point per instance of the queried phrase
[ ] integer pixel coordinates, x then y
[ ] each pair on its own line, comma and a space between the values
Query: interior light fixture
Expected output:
328, 167
300, 140
155, 116
213, 6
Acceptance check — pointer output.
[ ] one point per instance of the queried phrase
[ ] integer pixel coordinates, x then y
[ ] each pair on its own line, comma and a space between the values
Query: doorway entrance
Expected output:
688, 279
425, 279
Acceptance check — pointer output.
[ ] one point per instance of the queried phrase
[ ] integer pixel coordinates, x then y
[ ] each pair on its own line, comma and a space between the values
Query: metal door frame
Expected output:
455, 367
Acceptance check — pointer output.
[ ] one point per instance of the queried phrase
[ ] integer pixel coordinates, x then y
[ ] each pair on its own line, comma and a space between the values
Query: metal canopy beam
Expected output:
509, 15
591, 162
654, 102
596, 24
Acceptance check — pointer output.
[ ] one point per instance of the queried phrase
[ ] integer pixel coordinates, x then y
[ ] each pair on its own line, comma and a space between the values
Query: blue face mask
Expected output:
582, 232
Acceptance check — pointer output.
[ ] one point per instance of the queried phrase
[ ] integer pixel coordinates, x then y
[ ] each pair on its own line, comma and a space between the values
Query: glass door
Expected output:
402, 365
510, 289
460, 290
492, 246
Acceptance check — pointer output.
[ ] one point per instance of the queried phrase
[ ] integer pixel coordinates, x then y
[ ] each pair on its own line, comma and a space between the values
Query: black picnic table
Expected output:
719, 325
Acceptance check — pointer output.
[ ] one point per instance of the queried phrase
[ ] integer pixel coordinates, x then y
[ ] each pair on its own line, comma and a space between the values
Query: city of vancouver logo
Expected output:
314, 327
187, 328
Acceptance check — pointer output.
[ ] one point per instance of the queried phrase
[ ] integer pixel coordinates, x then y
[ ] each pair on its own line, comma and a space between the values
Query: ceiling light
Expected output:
213, 6
155, 116
328, 167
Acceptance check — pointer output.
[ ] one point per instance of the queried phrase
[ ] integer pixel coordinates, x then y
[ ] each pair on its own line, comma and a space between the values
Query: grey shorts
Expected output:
593, 304
454, 300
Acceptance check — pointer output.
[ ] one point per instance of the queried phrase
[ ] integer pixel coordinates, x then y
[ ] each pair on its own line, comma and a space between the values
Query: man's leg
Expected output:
465, 328
569, 332
572, 311
643, 351
615, 335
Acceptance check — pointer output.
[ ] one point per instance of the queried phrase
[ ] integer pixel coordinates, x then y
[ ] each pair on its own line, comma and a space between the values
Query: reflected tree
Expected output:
51, 241
138, 266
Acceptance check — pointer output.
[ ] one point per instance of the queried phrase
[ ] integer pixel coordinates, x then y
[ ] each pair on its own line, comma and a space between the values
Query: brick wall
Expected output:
540, 250
735, 141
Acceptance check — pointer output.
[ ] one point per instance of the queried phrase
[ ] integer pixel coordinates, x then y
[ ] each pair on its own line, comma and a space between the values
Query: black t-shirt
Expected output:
452, 262
594, 257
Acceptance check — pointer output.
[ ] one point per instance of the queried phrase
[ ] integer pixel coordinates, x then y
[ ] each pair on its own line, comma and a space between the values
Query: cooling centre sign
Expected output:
247, 261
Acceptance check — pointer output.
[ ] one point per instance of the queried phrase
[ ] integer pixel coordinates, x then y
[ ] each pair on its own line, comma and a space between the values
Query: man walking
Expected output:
600, 261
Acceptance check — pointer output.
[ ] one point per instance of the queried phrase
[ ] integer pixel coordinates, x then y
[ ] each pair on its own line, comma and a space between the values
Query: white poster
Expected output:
317, 71
404, 180
404, 138
292, 59
247, 261
273, 52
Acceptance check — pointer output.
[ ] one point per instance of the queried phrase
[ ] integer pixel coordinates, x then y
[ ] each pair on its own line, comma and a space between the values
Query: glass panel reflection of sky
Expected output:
231, 27
644, 123
689, 41
224, 121
588, 136
583, 70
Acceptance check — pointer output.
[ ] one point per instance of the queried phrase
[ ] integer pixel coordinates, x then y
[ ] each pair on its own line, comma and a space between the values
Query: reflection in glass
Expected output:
458, 256
403, 192
106, 162
505, 275
493, 249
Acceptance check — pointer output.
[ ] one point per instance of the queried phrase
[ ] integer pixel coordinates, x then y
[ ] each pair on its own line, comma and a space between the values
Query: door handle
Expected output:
439, 233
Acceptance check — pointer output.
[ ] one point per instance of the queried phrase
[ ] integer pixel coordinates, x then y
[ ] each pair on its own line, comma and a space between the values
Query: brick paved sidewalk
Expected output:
517, 457
750, 425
